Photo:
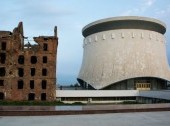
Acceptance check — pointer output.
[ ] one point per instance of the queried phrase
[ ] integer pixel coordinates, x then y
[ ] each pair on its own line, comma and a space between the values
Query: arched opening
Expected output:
33, 59
31, 96
20, 72
1, 96
21, 59
138, 83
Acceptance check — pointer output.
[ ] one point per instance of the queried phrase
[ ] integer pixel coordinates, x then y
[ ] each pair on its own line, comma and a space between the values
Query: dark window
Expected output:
45, 39
1, 96
21, 59
33, 59
32, 71
44, 59
43, 96
31, 84
44, 84
20, 72
20, 84
44, 72
1, 82
2, 71
2, 58
31, 96
10, 72
3, 46
45, 47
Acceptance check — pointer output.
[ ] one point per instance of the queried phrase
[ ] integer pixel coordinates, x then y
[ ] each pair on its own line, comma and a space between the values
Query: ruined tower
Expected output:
27, 72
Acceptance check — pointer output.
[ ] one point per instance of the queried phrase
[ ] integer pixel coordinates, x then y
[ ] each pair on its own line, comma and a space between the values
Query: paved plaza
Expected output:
117, 119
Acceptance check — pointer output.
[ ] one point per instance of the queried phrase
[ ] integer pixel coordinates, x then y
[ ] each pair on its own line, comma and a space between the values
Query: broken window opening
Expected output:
44, 72
1, 96
32, 71
43, 96
31, 96
31, 84
3, 46
10, 72
1, 82
2, 58
44, 59
45, 47
20, 84
20, 72
45, 39
33, 59
21, 59
2, 71
44, 84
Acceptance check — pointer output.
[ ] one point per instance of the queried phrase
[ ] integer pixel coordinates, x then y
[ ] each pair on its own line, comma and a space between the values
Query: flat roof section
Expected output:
124, 22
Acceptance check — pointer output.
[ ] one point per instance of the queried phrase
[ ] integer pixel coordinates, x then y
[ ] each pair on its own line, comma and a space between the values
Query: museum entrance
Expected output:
143, 83
143, 86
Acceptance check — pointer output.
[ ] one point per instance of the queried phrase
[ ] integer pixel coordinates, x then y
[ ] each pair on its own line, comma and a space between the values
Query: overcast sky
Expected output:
70, 16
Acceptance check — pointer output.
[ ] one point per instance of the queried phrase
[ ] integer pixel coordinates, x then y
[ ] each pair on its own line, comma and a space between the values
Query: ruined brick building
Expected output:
27, 72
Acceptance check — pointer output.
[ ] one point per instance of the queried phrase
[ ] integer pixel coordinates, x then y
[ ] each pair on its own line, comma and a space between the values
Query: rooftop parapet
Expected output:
125, 22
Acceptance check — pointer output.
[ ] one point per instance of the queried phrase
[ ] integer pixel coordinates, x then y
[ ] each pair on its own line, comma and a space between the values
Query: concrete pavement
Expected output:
117, 119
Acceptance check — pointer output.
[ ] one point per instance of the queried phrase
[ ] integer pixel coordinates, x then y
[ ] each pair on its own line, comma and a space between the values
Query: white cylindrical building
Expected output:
123, 53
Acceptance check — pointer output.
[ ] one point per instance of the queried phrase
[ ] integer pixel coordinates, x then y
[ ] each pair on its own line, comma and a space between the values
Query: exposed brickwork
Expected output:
27, 72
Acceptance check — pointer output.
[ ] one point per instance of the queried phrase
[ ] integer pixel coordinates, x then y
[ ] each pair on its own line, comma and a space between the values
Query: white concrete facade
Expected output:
112, 56
162, 94
96, 93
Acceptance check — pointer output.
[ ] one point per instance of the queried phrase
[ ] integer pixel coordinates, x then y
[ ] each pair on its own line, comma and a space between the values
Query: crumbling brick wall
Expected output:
27, 72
